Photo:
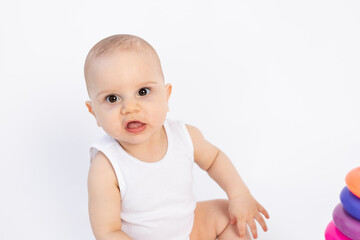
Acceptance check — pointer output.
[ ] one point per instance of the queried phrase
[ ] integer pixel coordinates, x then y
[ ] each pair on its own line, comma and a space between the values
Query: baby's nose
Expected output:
130, 107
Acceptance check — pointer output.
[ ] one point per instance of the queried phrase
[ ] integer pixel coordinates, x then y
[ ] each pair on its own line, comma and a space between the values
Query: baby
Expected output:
140, 177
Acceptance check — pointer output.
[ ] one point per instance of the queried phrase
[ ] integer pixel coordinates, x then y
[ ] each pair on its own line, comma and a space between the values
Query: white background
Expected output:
274, 84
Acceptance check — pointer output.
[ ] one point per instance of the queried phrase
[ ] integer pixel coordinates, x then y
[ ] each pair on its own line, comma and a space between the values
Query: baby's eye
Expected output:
143, 92
112, 98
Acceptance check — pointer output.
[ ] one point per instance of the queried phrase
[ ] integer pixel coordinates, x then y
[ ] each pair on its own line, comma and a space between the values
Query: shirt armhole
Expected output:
116, 167
187, 137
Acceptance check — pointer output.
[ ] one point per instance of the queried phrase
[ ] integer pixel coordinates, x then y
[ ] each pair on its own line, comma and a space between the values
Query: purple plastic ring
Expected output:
346, 224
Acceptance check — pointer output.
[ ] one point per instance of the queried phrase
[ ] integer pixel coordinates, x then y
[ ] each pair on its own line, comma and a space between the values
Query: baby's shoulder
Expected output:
101, 170
180, 124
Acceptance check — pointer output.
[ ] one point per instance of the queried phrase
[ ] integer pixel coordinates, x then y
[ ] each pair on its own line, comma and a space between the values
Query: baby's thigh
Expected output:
211, 219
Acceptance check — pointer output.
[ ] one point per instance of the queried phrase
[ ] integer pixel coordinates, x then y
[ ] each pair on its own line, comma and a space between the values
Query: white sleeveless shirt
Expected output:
157, 198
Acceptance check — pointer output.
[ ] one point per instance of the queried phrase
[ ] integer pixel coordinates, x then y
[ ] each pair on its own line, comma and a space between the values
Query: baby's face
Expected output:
128, 86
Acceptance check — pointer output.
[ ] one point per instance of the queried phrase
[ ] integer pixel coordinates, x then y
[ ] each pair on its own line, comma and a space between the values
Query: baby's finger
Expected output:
253, 228
261, 221
263, 211
241, 226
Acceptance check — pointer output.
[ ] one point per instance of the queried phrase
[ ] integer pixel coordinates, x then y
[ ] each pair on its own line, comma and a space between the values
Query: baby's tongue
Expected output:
134, 125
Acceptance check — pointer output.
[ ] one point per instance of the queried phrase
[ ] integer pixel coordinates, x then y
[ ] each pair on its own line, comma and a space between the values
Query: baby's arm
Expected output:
218, 166
104, 200
243, 208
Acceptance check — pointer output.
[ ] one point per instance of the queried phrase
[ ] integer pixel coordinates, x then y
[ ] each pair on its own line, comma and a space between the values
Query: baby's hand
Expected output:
243, 210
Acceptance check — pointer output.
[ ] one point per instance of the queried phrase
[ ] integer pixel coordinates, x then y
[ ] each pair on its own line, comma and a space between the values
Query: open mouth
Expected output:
135, 126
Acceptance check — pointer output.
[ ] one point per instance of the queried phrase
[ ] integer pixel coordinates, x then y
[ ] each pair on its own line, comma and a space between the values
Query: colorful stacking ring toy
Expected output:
352, 180
345, 223
350, 203
331, 233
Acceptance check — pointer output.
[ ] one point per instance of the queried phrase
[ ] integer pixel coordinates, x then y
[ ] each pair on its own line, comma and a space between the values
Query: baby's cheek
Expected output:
160, 108
107, 118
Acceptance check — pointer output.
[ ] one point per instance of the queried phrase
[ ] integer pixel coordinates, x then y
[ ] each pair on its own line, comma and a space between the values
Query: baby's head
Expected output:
125, 83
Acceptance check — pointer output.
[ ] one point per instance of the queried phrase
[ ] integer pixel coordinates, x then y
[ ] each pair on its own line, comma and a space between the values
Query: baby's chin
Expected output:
132, 141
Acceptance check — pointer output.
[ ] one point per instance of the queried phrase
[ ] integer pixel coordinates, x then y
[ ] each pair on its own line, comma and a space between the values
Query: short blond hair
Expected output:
117, 42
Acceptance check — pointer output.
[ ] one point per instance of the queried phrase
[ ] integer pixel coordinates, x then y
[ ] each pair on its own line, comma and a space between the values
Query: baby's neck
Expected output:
151, 151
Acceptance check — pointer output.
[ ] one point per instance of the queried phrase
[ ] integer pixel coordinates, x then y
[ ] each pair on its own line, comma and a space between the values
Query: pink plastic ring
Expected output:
332, 233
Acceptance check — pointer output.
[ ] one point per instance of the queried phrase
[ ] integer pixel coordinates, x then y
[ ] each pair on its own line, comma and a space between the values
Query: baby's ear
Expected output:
168, 90
88, 105
91, 110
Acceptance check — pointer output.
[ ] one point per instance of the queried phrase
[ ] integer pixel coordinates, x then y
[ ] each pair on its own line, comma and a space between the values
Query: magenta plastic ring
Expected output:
332, 233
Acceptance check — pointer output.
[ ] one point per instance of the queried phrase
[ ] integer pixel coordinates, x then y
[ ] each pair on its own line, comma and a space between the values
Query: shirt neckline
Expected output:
136, 160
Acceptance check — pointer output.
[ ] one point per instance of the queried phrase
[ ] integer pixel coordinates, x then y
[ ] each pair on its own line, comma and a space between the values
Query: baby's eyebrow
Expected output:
102, 92
148, 82
140, 84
